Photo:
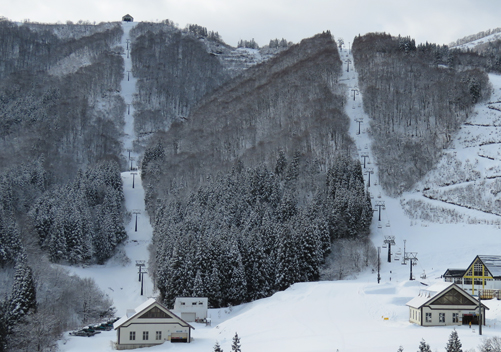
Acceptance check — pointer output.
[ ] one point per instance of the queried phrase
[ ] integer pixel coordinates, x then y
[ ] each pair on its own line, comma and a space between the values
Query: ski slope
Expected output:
345, 316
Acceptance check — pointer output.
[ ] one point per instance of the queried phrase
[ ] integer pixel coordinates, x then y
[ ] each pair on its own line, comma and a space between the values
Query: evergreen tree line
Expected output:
247, 234
200, 31
82, 221
414, 103
251, 44
275, 43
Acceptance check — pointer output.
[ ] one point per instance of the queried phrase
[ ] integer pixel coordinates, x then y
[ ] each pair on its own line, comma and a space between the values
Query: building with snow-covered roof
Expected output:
127, 18
191, 308
444, 303
150, 324
484, 274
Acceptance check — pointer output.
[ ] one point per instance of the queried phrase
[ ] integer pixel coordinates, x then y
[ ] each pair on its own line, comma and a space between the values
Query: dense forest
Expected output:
416, 97
174, 72
61, 197
253, 190
247, 234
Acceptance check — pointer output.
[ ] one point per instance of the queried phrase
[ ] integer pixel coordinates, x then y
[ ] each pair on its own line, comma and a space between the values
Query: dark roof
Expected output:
454, 272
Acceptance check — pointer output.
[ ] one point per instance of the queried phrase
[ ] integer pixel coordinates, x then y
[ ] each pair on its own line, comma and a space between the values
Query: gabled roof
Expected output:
142, 308
428, 294
454, 272
439, 290
492, 263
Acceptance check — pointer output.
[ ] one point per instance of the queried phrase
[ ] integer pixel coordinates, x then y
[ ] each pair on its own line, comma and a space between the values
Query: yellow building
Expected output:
483, 274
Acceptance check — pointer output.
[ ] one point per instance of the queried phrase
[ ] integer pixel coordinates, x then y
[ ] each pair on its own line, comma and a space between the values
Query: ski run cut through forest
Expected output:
444, 210
357, 314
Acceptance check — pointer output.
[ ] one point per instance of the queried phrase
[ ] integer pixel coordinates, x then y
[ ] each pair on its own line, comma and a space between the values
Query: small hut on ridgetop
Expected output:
128, 18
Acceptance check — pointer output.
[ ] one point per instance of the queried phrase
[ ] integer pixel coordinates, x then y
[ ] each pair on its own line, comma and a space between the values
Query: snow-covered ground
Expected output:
339, 316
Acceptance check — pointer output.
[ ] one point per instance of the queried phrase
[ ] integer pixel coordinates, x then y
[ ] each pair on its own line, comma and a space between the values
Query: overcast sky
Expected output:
436, 21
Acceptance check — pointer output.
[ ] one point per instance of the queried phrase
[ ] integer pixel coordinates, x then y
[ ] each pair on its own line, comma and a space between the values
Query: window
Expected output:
441, 317
455, 317
193, 303
132, 335
428, 317
158, 335
145, 335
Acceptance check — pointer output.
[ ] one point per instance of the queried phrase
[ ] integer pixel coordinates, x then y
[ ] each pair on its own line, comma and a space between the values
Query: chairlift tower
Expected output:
369, 171
136, 211
379, 204
389, 240
364, 155
412, 258
140, 264
359, 121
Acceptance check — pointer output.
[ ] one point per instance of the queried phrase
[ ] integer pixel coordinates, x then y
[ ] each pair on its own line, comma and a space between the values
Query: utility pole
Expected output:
136, 211
369, 171
355, 92
359, 121
412, 258
380, 204
133, 174
480, 317
378, 264
405, 259
364, 155
348, 62
389, 240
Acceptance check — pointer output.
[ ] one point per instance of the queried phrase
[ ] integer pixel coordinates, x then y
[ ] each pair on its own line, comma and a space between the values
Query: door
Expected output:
189, 317
179, 337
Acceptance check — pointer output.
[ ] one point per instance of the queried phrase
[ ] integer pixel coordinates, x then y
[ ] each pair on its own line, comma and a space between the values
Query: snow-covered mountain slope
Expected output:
359, 314
468, 174
235, 60
474, 41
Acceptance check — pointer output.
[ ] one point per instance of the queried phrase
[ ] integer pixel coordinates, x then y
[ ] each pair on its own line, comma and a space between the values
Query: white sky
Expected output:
437, 21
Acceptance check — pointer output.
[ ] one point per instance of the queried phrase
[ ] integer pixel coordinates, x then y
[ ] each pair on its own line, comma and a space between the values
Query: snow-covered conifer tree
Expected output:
235, 346
453, 345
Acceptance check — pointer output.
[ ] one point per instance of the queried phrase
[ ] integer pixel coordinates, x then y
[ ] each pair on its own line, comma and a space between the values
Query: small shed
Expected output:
445, 303
127, 18
150, 324
191, 308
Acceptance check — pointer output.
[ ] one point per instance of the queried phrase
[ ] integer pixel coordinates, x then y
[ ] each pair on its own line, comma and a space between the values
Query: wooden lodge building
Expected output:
484, 274
150, 324
445, 303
